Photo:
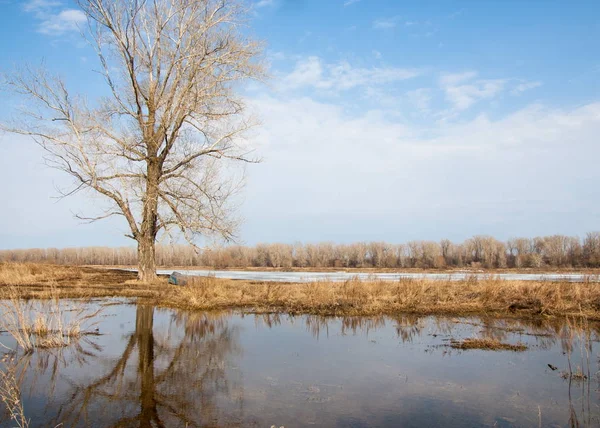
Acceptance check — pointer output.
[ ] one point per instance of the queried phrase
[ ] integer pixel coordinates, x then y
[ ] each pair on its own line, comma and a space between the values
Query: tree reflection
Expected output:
178, 376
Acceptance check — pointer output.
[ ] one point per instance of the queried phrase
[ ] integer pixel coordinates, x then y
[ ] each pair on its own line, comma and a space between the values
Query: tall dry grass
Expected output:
10, 394
353, 297
44, 323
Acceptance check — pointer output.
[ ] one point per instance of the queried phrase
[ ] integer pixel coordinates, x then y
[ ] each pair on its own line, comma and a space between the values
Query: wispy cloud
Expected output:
350, 2
456, 14
305, 36
55, 20
420, 98
40, 6
312, 72
525, 86
63, 22
386, 23
264, 3
463, 90
448, 79
429, 161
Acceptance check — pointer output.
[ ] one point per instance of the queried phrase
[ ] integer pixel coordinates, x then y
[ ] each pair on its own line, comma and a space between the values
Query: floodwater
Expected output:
159, 367
344, 276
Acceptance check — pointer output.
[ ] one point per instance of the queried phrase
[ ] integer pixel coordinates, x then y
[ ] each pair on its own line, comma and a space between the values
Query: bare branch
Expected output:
158, 143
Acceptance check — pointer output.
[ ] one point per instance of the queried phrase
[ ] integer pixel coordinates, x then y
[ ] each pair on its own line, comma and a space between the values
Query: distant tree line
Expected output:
478, 251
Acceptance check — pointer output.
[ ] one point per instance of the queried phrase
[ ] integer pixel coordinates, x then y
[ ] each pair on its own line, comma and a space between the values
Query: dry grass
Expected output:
353, 297
488, 345
578, 375
43, 323
409, 295
10, 394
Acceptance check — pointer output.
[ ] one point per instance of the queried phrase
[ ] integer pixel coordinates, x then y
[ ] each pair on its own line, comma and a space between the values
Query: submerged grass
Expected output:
488, 345
43, 323
10, 394
578, 375
352, 297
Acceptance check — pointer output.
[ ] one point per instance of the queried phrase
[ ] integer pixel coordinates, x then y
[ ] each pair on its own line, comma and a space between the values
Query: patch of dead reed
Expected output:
10, 394
47, 323
353, 297
487, 345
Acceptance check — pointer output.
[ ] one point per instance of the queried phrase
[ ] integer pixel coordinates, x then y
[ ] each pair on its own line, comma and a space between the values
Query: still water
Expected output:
275, 276
159, 367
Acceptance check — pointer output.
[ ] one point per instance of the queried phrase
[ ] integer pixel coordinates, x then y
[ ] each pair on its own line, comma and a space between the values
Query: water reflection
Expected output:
160, 368
173, 378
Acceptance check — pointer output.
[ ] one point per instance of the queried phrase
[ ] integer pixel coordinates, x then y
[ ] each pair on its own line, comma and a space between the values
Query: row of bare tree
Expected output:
478, 251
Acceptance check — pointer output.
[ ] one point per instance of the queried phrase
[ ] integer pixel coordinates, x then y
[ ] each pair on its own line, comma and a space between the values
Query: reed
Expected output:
487, 344
10, 394
47, 323
353, 297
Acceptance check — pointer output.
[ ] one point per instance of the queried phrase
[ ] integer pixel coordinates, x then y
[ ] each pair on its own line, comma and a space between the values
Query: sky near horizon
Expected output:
382, 120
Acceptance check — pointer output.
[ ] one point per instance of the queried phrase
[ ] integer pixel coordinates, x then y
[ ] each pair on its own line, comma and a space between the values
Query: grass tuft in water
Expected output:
577, 376
10, 395
47, 323
487, 345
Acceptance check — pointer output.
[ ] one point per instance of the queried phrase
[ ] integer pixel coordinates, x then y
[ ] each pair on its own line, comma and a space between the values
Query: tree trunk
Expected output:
146, 259
148, 230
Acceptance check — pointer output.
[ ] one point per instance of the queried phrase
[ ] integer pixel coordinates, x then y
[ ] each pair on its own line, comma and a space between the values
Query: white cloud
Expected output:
350, 2
386, 23
341, 76
420, 98
264, 3
525, 86
276, 55
55, 21
463, 91
40, 6
308, 72
63, 22
36, 193
533, 127
449, 79
370, 172
464, 96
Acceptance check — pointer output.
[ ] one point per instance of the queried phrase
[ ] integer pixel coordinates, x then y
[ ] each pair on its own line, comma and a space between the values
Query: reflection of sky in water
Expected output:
157, 366
344, 276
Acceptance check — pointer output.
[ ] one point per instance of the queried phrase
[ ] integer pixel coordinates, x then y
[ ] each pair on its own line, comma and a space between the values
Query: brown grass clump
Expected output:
47, 323
352, 297
577, 376
356, 297
10, 394
487, 345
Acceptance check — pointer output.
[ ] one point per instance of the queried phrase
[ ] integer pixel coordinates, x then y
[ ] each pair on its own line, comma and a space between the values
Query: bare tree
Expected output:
156, 145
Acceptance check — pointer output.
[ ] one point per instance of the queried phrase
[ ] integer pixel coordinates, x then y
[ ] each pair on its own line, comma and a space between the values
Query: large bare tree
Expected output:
156, 144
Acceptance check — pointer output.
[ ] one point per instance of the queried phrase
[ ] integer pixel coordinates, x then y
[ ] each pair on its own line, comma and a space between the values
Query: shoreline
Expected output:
506, 298
492, 271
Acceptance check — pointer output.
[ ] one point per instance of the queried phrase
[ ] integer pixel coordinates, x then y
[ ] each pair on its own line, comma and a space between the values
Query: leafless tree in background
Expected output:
477, 252
155, 147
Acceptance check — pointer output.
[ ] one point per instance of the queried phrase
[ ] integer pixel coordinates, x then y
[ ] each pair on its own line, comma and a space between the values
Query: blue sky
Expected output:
383, 120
